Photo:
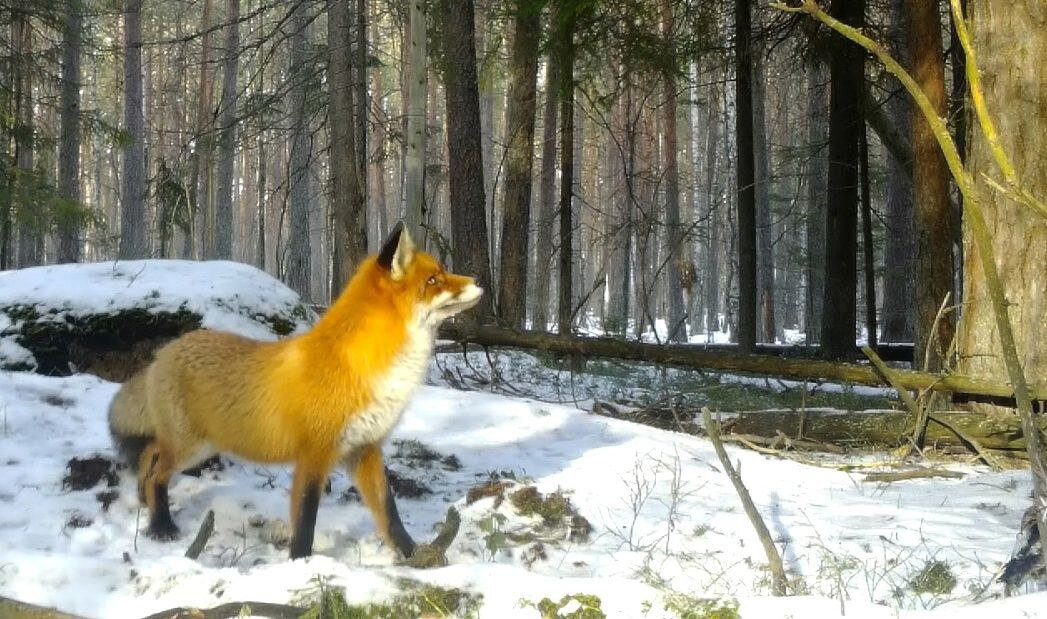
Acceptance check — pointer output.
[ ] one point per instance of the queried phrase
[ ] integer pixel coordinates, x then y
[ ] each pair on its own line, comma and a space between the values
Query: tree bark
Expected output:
69, 228
227, 123
520, 110
1010, 46
348, 208
933, 217
745, 176
28, 216
465, 162
764, 233
899, 288
566, 52
546, 203
676, 255
133, 239
417, 96
817, 191
714, 217
299, 271
200, 167
867, 242
839, 311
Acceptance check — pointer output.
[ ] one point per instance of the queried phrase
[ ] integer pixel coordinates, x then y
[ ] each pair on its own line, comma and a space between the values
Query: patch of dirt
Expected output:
78, 521
417, 454
85, 473
57, 400
106, 498
551, 507
405, 487
493, 488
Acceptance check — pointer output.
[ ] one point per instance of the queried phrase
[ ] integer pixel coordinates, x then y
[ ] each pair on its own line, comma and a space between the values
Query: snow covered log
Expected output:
107, 318
697, 356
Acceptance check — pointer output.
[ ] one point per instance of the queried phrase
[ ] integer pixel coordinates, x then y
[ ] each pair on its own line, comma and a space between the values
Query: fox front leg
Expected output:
371, 482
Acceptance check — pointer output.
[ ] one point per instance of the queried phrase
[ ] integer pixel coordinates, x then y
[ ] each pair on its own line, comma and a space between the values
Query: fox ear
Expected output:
397, 251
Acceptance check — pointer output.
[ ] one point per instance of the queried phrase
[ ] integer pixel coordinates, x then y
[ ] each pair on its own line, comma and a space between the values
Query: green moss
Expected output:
326, 601
551, 507
687, 607
574, 606
935, 578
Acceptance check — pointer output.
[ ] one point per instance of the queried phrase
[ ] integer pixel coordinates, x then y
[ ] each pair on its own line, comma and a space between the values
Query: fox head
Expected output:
435, 293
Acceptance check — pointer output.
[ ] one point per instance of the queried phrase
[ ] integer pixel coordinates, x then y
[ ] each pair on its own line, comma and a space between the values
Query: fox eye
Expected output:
431, 281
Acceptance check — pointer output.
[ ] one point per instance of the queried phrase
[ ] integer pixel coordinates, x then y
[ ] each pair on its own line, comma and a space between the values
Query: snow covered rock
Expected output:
106, 318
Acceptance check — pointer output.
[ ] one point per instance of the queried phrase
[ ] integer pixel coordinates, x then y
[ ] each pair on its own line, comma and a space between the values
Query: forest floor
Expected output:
562, 511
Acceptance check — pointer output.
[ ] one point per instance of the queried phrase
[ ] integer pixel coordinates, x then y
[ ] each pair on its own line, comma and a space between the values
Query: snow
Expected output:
229, 296
838, 533
665, 520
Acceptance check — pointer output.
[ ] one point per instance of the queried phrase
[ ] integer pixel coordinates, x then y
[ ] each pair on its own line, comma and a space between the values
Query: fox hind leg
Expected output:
155, 468
309, 482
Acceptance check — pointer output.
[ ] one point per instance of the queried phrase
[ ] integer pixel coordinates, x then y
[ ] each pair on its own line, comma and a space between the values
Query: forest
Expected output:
825, 219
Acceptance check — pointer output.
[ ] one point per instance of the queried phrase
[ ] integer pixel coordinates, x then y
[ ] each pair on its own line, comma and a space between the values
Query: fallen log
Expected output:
699, 357
1000, 433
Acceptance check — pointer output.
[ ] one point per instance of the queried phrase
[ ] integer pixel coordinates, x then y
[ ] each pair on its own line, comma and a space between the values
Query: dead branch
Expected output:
889, 476
774, 559
202, 536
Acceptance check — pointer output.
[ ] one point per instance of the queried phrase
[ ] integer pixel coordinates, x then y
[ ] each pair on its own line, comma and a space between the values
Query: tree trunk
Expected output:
933, 221
714, 219
227, 136
745, 175
565, 50
299, 271
546, 203
133, 240
1009, 46
761, 166
347, 203
200, 167
465, 162
620, 224
817, 128
676, 255
69, 228
520, 109
263, 177
867, 241
899, 288
839, 311
27, 212
417, 95
1010, 43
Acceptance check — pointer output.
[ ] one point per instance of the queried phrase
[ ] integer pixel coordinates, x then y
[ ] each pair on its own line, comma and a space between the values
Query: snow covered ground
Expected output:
664, 518
667, 530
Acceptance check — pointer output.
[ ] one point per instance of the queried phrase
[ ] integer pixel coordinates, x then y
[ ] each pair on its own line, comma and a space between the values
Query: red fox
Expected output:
328, 396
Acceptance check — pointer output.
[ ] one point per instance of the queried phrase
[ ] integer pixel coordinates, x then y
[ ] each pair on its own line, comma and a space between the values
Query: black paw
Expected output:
162, 531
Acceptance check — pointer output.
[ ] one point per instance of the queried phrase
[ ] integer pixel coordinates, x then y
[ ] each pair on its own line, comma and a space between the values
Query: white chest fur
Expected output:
392, 390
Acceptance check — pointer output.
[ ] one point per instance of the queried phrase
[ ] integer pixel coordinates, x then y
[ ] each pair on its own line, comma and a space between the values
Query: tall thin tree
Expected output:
520, 110
565, 17
299, 271
465, 165
546, 202
227, 124
69, 142
932, 214
417, 96
677, 254
348, 208
133, 239
745, 175
839, 311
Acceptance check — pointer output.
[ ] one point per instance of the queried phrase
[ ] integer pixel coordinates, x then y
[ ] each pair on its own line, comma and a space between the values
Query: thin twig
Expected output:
889, 476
